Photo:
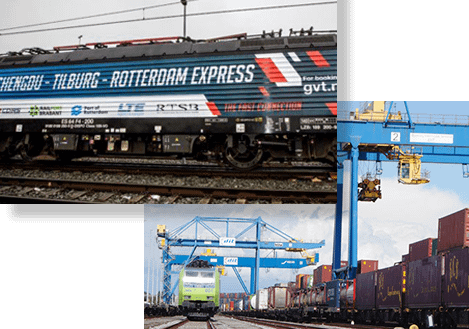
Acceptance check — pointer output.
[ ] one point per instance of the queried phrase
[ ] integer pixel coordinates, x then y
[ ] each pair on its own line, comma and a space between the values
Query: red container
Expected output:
231, 305
420, 250
322, 274
365, 266
453, 231
456, 278
390, 287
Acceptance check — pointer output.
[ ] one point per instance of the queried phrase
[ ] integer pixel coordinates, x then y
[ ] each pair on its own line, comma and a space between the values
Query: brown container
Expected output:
390, 287
322, 274
456, 278
365, 266
453, 231
424, 283
405, 258
365, 298
420, 250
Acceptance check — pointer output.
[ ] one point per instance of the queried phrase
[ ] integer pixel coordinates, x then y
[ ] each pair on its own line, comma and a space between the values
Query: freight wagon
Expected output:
240, 101
429, 292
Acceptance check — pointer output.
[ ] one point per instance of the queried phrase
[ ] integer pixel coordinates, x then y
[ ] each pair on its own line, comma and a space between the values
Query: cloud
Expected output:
404, 215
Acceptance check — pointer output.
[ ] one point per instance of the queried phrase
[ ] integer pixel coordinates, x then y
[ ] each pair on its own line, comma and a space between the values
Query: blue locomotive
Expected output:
243, 100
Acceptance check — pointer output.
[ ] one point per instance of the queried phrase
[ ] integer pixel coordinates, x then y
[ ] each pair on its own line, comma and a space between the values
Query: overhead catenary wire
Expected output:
95, 15
228, 11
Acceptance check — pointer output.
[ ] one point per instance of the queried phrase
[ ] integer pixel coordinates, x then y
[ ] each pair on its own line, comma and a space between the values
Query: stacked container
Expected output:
453, 231
421, 249
322, 274
365, 266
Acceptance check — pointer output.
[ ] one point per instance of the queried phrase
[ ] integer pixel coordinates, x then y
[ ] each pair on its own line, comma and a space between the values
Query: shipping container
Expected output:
298, 280
453, 231
456, 278
424, 283
231, 305
277, 297
322, 274
390, 287
420, 250
333, 295
365, 266
365, 291
260, 300
405, 258
434, 247
304, 281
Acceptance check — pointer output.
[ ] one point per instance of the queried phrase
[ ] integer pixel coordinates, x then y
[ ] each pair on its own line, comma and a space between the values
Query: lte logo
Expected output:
131, 108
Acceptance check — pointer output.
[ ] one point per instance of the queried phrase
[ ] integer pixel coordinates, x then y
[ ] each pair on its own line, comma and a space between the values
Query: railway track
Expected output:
176, 168
294, 325
16, 189
236, 322
82, 182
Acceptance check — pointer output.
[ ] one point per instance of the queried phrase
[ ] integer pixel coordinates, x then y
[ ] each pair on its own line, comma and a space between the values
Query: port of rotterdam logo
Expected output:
76, 110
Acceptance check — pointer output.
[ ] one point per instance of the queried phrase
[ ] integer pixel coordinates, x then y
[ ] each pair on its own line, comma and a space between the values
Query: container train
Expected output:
199, 290
239, 101
428, 288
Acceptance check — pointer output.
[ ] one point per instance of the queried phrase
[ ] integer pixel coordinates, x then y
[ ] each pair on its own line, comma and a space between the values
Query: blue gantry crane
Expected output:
229, 238
377, 134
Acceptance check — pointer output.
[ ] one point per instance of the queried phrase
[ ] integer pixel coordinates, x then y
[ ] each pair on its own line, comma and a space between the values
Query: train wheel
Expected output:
241, 155
30, 147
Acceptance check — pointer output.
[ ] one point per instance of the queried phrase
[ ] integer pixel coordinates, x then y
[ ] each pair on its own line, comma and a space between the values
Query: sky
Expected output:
23, 12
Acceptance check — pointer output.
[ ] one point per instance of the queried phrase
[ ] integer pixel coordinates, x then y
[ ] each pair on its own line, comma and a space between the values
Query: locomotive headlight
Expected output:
209, 297
187, 297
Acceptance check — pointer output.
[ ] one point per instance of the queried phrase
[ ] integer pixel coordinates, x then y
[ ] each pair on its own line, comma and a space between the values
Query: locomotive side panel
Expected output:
82, 97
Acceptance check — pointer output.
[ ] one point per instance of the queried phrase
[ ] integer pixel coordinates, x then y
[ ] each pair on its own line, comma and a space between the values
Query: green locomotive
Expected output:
199, 290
